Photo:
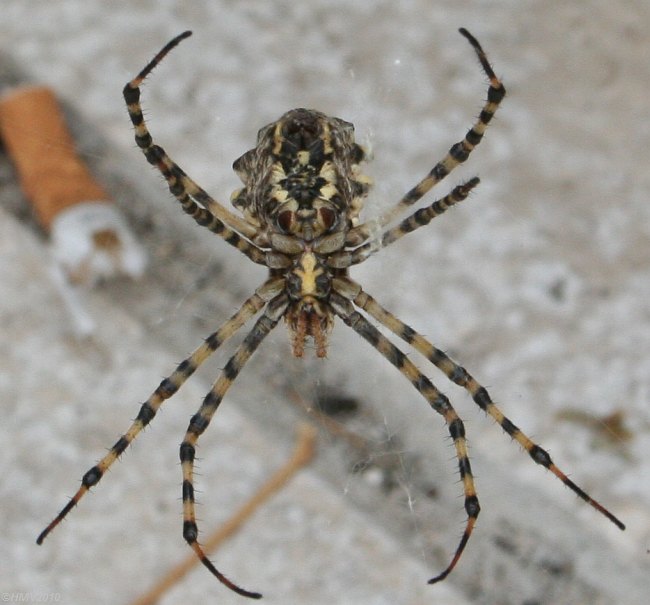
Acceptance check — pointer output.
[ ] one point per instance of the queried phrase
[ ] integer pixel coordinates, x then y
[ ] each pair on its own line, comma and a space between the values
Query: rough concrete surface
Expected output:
539, 284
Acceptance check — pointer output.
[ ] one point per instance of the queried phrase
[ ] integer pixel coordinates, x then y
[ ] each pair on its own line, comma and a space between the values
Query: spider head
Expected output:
308, 284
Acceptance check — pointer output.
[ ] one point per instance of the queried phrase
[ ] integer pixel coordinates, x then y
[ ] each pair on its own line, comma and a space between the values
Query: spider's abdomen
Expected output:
302, 178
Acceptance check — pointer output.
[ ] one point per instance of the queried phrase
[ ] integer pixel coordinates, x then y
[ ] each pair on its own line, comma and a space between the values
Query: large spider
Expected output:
300, 206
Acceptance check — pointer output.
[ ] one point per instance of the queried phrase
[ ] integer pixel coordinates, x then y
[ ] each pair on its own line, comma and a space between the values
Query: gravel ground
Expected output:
539, 284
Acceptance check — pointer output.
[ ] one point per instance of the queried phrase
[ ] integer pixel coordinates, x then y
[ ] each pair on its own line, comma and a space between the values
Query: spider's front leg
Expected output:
460, 376
437, 400
165, 390
200, 421
348, 294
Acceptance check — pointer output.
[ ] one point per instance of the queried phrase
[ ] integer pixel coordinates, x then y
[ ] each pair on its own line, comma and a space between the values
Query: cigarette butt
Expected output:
89, 239
52, 176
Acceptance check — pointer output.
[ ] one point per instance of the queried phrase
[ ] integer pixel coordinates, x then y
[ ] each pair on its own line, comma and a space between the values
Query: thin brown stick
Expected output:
302, 454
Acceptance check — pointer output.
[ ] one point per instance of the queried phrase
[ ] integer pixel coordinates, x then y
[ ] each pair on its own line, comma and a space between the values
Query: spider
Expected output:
300, 204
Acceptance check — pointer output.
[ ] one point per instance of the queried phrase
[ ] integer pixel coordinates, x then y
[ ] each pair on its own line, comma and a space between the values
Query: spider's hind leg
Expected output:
457, 154
182, 187
418, 219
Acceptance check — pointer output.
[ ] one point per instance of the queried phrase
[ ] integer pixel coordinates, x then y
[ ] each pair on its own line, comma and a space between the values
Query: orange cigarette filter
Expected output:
35, 134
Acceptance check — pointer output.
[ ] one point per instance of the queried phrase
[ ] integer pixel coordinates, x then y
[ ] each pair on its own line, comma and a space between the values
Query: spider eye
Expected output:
285, 219
328, 216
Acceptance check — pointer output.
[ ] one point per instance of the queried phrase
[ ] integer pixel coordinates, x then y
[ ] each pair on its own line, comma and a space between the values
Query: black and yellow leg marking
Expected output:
179, 183
201, 420
461, 377
174, 177
165, 390
437, 400
457, 154
419, 218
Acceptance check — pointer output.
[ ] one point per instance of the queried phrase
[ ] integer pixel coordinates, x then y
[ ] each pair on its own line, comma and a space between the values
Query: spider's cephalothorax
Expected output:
300, 203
